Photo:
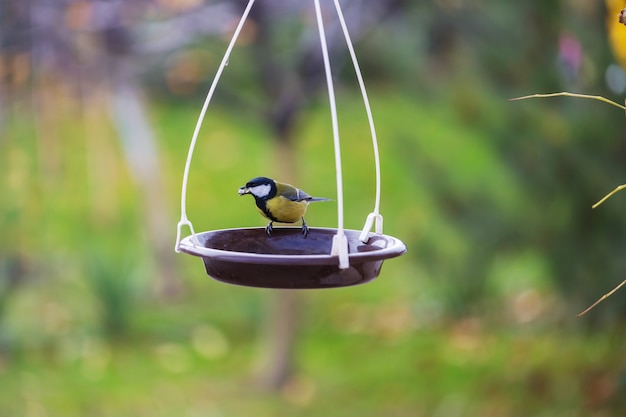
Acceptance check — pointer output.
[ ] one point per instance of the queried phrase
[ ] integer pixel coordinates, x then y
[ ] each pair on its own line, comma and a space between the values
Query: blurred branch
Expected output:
566, 94
606, 197
617, 189
138, 142
179, 31
604, 297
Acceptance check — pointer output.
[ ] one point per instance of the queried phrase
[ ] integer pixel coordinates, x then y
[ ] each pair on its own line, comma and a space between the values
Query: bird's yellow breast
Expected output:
285, 210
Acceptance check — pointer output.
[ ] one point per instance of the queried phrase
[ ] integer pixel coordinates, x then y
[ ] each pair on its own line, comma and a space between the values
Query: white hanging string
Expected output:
183, 210
340, 241
375, 216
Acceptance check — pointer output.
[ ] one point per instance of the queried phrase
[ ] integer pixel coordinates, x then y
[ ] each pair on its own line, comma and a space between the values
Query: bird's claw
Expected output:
270, 227
305, 228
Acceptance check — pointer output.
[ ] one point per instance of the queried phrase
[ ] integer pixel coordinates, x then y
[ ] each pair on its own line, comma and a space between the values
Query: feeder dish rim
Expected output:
395, 248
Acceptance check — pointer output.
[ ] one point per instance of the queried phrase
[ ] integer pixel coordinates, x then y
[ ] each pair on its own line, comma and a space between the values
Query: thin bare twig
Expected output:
606, 197
604, 297
619, 188
600, 98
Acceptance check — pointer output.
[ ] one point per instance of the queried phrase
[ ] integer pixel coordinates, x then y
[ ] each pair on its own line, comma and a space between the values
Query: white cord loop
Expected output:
340, 242
183, 206
376, 213
371, 219
185, 222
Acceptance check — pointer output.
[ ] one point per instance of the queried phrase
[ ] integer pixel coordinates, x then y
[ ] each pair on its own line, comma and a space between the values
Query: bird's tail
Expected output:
314, 199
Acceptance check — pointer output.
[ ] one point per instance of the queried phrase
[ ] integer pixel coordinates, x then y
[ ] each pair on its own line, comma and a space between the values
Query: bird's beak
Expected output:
243, 190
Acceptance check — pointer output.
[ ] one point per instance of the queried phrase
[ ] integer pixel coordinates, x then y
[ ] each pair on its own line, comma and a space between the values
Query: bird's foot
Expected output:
269, 228
305, 228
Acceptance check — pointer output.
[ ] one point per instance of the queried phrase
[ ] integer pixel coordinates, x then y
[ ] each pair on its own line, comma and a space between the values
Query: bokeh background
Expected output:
99, 316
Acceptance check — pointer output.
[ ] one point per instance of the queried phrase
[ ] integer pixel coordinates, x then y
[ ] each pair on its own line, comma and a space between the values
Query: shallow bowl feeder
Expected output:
287, 260
326, 258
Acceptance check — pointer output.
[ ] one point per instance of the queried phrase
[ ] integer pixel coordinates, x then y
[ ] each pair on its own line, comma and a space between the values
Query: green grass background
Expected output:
472, 321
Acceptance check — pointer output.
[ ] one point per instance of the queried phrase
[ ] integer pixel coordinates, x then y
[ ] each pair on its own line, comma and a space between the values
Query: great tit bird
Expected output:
279, 202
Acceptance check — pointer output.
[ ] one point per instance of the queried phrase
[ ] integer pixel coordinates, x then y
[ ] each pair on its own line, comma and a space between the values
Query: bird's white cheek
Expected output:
261, 191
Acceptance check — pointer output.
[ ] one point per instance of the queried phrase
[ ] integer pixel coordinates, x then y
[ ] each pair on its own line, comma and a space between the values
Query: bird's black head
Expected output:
259, 181
261, 187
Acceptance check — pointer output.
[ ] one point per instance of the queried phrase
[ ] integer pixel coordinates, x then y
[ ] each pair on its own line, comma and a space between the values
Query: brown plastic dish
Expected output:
286, 259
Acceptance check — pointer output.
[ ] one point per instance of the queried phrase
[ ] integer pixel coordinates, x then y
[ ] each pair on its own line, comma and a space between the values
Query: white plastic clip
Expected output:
364, 237
179, 227
340, 249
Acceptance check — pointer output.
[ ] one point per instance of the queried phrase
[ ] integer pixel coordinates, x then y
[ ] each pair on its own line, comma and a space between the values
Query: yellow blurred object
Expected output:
616, 30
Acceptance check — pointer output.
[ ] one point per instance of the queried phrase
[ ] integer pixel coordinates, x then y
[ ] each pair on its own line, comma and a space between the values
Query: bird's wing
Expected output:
291, 193
295, 194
